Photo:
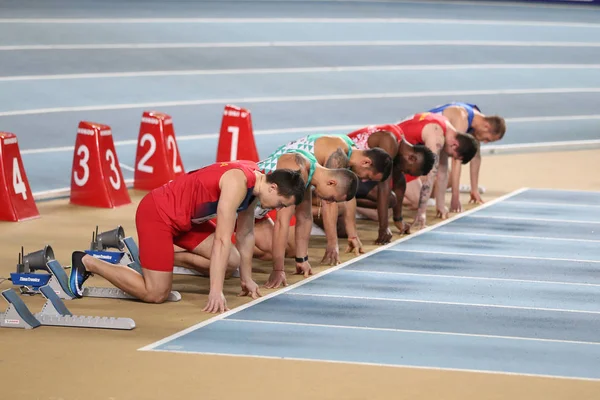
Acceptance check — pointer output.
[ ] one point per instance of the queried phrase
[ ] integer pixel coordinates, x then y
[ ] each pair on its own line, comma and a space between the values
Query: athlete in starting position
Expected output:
416, 160
179, 213
438, 134
338, 219
330, 186
468, 118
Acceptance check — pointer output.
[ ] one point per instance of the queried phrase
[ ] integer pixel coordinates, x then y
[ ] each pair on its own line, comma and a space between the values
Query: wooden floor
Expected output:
61, 363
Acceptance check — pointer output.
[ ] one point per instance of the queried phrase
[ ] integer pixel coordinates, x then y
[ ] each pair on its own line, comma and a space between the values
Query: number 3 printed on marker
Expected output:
84, 152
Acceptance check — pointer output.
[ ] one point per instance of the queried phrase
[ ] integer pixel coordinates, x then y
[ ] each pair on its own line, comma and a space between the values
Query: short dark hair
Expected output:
498, 125
381, 161
348, 182
468, 147
428, 158
289, 183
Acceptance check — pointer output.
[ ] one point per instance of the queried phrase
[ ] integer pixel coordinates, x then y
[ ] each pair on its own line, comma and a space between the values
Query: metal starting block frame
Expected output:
53, 313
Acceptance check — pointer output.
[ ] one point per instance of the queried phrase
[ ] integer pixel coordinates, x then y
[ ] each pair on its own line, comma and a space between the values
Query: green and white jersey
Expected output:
307, 143
269, 164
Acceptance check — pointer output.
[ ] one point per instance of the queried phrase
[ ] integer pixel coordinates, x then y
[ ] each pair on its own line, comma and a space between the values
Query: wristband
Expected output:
301, 259
398, 219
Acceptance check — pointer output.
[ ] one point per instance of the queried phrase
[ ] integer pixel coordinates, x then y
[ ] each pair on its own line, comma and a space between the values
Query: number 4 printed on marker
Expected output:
18, 183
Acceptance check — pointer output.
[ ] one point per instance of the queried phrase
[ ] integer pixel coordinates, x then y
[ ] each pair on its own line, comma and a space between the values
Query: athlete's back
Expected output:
193, 197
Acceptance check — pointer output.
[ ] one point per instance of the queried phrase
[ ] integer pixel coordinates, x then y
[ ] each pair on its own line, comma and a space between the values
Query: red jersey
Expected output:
361, 136
413, 126
194, 197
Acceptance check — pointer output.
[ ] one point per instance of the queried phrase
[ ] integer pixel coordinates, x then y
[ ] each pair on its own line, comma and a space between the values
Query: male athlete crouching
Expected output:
330, 185
179, 213
416, 160
338, 219
468, 118
442, 138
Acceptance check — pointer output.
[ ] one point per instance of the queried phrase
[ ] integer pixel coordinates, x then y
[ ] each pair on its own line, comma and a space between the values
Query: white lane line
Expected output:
364, 271
441, 333
127, 167
432, 21
541, 146
329, 43
544, 203
295, 70
449, 303
453, 253
516, 236
65, 192
324, 273
182, 138
371, 364
348, 128
282, 99
569, 221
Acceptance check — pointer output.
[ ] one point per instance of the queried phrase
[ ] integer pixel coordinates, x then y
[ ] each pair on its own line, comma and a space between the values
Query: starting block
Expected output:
54, 313
26, 277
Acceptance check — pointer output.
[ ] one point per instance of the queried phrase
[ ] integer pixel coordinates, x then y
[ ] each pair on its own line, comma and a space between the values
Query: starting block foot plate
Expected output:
55, 313
17, 315
114, 293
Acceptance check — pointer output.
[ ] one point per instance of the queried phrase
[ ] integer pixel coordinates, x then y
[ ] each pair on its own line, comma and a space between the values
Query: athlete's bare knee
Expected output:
156, 296
234, 260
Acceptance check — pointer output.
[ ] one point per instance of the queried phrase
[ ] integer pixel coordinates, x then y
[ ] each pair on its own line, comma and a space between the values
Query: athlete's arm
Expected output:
441, 185
433, 136
304, 221
387, 142
459, 118
281, 230
233, 185
475, 167
399, 191
337, 159
281, 227
245, 245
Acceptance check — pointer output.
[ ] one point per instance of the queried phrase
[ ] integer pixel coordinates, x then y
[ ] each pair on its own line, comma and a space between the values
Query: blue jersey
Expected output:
469, 107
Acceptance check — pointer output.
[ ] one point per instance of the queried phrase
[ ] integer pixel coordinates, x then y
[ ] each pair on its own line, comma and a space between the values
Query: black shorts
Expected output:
364, 188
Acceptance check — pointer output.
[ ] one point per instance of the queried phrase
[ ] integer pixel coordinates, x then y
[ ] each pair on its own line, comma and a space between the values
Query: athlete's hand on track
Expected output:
476, 198
332, 255
355, 245
420, 221
455, 205
402, 227
250, 289
216, 303
304, 268
385, 236
442, 213
276, 279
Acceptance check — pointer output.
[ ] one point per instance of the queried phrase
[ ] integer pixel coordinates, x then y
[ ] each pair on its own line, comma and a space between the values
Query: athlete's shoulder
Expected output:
431, 117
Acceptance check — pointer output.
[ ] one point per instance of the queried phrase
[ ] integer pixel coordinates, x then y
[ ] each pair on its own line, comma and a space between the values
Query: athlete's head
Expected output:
336, 185
461, 146
490, 129
372, 164
415, 160
281, 188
